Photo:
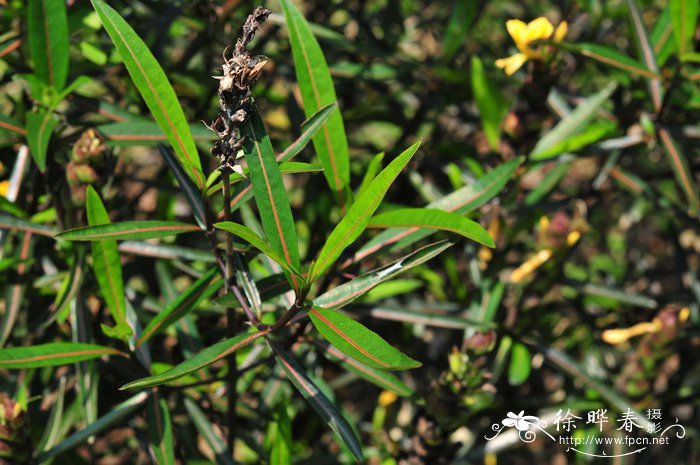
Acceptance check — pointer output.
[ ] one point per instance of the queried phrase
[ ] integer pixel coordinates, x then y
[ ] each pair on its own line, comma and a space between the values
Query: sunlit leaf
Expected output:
432, 218
270, 194
359, 214
126, 230
202, 359
154, 87
52, 354
355, 340
317, 91
48, 41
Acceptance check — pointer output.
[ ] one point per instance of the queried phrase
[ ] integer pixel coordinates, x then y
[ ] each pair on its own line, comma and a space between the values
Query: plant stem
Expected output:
231, 323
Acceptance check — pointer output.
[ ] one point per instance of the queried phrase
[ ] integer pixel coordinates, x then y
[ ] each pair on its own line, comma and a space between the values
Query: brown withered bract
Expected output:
239, 72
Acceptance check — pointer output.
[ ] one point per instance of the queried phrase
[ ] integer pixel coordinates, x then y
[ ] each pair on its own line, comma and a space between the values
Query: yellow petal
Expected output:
517, 30
537, 29
4, 187
561, 31
512, 63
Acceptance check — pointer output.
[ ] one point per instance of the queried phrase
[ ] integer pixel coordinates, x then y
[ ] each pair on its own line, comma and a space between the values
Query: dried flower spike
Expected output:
240, 72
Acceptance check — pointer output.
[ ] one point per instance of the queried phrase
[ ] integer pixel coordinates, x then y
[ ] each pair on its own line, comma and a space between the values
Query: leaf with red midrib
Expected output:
52, 354
355, 340
127, 230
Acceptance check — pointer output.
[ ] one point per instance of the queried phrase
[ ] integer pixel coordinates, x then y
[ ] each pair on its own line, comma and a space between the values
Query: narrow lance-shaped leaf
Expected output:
359, 214
53, 424
608, 56
256, 241
684, 175
684, 16
107, 264
154, 87
117, 414
342, 295
492, 106
127, 230
309, 128
433, 219
48, 41
52, 354
461, 201
317, 91
17, 224
222, 455
160, 430
571, 124
146, 133
204, 287
40, 126
646, 52
270, 195
355, 340
188, 188
381, 378
71, 285
329, 412
14, 293
202, 359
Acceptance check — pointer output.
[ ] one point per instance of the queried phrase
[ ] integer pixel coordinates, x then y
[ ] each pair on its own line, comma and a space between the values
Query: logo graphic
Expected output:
565, 424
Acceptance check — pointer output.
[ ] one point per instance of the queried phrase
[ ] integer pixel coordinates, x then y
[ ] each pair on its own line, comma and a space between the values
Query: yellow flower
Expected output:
523, 35
4, 187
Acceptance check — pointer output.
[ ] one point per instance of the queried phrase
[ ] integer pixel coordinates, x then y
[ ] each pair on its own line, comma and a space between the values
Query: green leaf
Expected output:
106, 262
355, 340
127, 230
359, 214
679, 164
381, 378
324, 407
48, 41
202, 359
317, 91
433, 219
17, 224
549, 181
146, 132
645, 52
204, 287
309, 128
53, 424
270, 195
191, 192
572, 123
253, 239
40, 126
116, 415
662, 36
342, 295
154, 87
160, 430
589, 134
14, 292
461, 17
222, 455
70, 285
520, 365
492, 106
371, 172
278, 438
12, 125
52, 354
461, 201
684, 16
608, 56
